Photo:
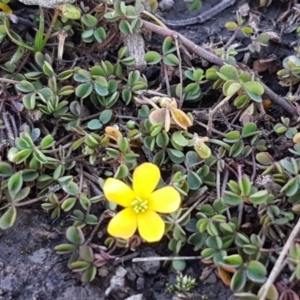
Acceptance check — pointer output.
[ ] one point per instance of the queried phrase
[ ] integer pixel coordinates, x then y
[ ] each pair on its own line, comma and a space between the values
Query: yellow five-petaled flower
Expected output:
142, 204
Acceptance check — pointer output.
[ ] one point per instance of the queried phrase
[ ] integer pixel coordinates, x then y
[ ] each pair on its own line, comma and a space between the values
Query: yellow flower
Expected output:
142, 204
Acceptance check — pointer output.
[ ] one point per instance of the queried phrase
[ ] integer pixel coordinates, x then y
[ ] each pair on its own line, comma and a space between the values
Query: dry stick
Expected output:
277, 267
159, 258
180, 74
211, 57
53, 21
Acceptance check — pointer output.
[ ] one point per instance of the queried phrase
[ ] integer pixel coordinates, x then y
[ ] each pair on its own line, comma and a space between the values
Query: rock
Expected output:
166, 5
151, 266
212, 278
136, 297
117, 284
140, 283
131, 276
47, 3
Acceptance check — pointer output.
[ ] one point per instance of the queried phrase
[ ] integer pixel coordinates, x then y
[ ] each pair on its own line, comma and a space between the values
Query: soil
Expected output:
30, 269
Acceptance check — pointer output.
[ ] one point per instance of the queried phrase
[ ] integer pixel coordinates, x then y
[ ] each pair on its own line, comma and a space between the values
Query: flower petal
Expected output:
151, 226
117, 191
164, 200
123, 224
181, 119
145, 179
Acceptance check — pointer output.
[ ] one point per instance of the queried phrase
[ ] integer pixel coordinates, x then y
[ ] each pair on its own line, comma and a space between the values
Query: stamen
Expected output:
139, 205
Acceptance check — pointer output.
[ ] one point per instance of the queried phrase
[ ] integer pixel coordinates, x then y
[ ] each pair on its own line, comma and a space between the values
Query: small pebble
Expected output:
166, 5
140, 283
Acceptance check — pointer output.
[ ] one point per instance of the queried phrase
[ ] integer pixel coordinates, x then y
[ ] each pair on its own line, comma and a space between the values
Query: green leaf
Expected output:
228, 72
79, 266
256, 271
214, 242
238, 281
231, 89
208, 253
29, 101
245, 185
64, 248
25, 86
232, 136
264, 158
89, 275
232, 199
6, 169
280, 128
259, 197
121, 172
84, 90
29, 175
171, 60
152, 57
178, 265
176, 156
40, 156
291, 187
125, 27
263, 38
75, 235
8, 219
15, 183
47, 142
89, 20
254, 90
272, 292
167, 46
68, 204
22, 194
234, 260
70, 11
94, 124
105, 116
231, 25
194, 181
86, 253
247, 296
71, 188
47, 69
249, 129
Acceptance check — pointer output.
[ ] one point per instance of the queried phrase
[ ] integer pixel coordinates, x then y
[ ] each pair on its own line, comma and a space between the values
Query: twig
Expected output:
276, 269
53, 21
31, 201
201, 197
104, 215
11, 81
180, 73
121, 260
211, 57
212, 113
166, 258
213, 130
165, 68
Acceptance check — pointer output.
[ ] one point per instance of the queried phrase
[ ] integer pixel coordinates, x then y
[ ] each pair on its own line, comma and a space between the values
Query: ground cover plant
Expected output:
107, 133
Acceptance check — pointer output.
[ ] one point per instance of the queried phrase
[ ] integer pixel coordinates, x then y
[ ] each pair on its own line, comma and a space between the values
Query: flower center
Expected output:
139, 205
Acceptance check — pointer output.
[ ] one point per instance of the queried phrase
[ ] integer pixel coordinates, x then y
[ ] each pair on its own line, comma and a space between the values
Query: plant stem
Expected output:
53, 21
166, 258
30, 201
103, 216
211, 57
213, 111
201, 198
280, 261
11, 81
